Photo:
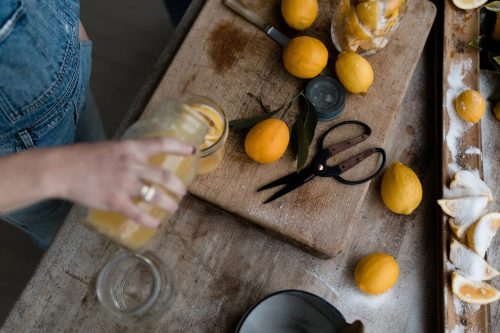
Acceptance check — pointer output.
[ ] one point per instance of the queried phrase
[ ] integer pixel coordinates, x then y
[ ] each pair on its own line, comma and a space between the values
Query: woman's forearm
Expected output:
107, 175
27, 177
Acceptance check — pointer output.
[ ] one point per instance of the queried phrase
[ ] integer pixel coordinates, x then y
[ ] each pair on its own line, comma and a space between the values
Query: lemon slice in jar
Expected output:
215, 123
368, 13
355, 28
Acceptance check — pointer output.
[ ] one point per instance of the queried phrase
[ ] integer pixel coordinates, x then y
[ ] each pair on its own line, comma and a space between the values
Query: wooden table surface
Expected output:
222, 266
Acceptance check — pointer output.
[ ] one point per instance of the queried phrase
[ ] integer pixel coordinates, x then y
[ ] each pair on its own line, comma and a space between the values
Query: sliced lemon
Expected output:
471, 206
355, 28
468, 183
458, 230
482, 232
392, 6
376, 43
351, 44
465, 211
470, 263
473, 292
469, 4
368, 13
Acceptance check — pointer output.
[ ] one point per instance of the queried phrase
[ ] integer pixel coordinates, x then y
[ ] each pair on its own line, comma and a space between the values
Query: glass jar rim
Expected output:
159, 299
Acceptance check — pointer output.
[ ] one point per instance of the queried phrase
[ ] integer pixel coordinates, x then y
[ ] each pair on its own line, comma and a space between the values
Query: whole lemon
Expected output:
496, 110
401, 189
305, 57
376, 273
354, 71
299, 14
470, 106
266, 142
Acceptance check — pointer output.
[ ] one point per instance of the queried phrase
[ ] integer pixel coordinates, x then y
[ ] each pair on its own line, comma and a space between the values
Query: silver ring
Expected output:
147, 193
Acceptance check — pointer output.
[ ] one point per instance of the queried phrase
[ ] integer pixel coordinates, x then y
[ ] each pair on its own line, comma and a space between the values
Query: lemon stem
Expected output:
290, 103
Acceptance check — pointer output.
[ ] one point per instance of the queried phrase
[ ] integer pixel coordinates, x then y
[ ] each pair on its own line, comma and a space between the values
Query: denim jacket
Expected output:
44, 73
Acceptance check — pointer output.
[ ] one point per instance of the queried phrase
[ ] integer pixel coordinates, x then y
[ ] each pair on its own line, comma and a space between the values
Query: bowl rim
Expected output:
285, 291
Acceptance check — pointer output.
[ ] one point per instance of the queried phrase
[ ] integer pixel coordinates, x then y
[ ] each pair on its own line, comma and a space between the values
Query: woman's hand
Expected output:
102, 175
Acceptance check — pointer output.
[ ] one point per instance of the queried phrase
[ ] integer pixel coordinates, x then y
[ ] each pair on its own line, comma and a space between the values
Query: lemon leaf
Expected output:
303, 131
241, 124
479, 42
493, 6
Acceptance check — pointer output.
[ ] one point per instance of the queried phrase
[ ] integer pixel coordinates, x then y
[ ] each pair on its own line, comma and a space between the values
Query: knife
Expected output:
258, 21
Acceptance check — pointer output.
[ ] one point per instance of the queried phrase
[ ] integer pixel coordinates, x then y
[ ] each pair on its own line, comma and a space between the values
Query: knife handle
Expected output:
246, 13
277, 36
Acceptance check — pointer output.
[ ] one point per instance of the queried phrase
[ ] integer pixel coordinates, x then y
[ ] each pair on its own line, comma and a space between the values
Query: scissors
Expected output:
319, 167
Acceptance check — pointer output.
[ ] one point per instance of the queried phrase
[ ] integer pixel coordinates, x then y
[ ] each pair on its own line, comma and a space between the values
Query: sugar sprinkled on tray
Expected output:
457, 127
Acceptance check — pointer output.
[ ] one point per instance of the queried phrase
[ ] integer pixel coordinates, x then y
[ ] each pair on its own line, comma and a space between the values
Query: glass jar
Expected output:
135, 288
365, 26
212, 150
170, 120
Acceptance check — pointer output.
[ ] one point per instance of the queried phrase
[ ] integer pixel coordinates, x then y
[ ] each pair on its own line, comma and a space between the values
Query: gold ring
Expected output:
147, 193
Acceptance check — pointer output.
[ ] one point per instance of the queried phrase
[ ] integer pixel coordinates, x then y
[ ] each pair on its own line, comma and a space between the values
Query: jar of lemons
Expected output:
364, 26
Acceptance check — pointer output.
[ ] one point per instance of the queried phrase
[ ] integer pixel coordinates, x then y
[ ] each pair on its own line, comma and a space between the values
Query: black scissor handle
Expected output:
344, 166
339, 147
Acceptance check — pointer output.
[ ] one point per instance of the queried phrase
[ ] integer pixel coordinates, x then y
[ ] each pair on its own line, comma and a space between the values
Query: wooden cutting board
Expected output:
225, 58
460, 27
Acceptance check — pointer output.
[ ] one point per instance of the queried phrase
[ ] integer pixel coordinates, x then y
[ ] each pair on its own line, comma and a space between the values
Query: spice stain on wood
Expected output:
226, 42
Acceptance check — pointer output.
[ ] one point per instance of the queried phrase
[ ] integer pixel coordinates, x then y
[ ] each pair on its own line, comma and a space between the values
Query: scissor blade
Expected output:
281, 181
299, 181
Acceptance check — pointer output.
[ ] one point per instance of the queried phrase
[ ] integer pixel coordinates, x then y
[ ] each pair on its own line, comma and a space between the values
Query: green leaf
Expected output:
241, 124
303, 132
479, 42
493, 6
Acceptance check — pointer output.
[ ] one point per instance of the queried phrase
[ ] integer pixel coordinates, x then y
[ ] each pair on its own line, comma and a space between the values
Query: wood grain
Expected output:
460, 27
226, 58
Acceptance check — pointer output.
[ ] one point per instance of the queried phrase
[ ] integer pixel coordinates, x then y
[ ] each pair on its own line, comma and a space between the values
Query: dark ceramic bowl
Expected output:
290, 311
